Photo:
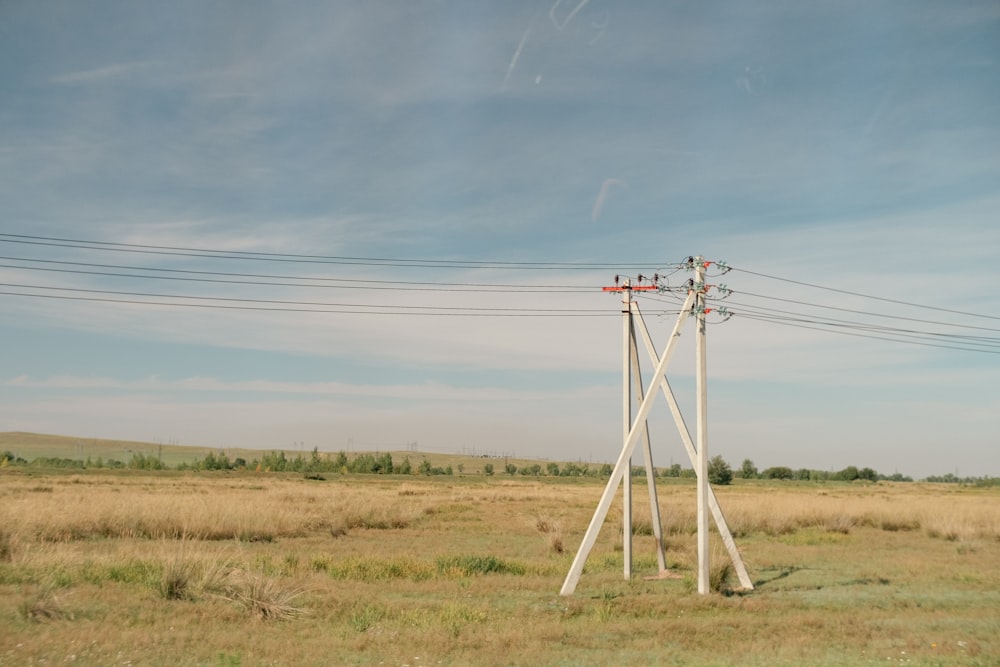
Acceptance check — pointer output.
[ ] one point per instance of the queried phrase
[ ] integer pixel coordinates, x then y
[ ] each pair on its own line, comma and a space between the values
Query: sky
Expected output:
379, 225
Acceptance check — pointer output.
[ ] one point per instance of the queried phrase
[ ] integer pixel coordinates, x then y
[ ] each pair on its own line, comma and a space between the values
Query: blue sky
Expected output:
850, 145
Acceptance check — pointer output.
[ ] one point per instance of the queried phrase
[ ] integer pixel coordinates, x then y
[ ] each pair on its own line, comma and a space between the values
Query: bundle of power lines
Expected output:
39, 267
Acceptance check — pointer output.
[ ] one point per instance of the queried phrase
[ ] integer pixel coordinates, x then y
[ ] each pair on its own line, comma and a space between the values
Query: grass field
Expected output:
141, 568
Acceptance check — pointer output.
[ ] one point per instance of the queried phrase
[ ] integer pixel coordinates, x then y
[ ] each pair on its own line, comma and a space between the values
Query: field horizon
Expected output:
30, 445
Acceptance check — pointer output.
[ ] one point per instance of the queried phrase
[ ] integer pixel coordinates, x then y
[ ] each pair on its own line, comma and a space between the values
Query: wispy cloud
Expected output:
560, 23
602, 196
102, 74
517, 54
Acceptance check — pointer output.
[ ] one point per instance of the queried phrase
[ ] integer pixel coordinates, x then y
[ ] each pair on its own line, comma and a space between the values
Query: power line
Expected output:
836, 323
342, 283
964, 341
301, 258
806, 325
311, 306
867, 296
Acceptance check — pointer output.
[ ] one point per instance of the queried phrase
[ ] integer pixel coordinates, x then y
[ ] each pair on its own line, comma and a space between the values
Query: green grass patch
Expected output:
473, 565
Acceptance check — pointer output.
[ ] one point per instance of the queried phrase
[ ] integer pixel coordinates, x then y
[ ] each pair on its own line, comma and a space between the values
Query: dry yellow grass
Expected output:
227, 569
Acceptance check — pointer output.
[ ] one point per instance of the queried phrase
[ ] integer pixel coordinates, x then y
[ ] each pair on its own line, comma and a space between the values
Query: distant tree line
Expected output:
719, 471
275, 461
849, 474
315, 463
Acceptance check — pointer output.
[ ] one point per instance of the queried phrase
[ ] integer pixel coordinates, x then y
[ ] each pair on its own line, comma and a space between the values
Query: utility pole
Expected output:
694, 307
702, 427
627, 333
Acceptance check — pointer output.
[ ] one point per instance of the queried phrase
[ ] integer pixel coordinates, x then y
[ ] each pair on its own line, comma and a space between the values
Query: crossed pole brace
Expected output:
639, 428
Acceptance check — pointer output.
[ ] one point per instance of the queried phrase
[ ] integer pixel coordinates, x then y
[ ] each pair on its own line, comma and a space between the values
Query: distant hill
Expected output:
35, 445
31, 446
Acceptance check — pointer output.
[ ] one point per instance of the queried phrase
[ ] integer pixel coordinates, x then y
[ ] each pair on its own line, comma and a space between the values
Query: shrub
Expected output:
405, 468
719, 471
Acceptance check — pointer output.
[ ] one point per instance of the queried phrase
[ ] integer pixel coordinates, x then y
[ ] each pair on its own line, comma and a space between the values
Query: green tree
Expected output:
778, 472
719, 471
673, 471
488, 469
848, 474
748, 470
425, 467
869, 474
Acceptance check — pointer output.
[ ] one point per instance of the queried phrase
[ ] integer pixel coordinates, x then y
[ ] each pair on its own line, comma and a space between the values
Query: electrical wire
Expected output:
834, 322
298, 258
806, 325
343, 283
964, 342
865, 312
867, 296
959, 336
312, 306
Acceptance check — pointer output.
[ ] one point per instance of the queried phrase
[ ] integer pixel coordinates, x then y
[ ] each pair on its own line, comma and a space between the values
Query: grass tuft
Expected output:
719, 572
7, 546
550, 528
43, 607
176, 580
367, 617
264, 597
